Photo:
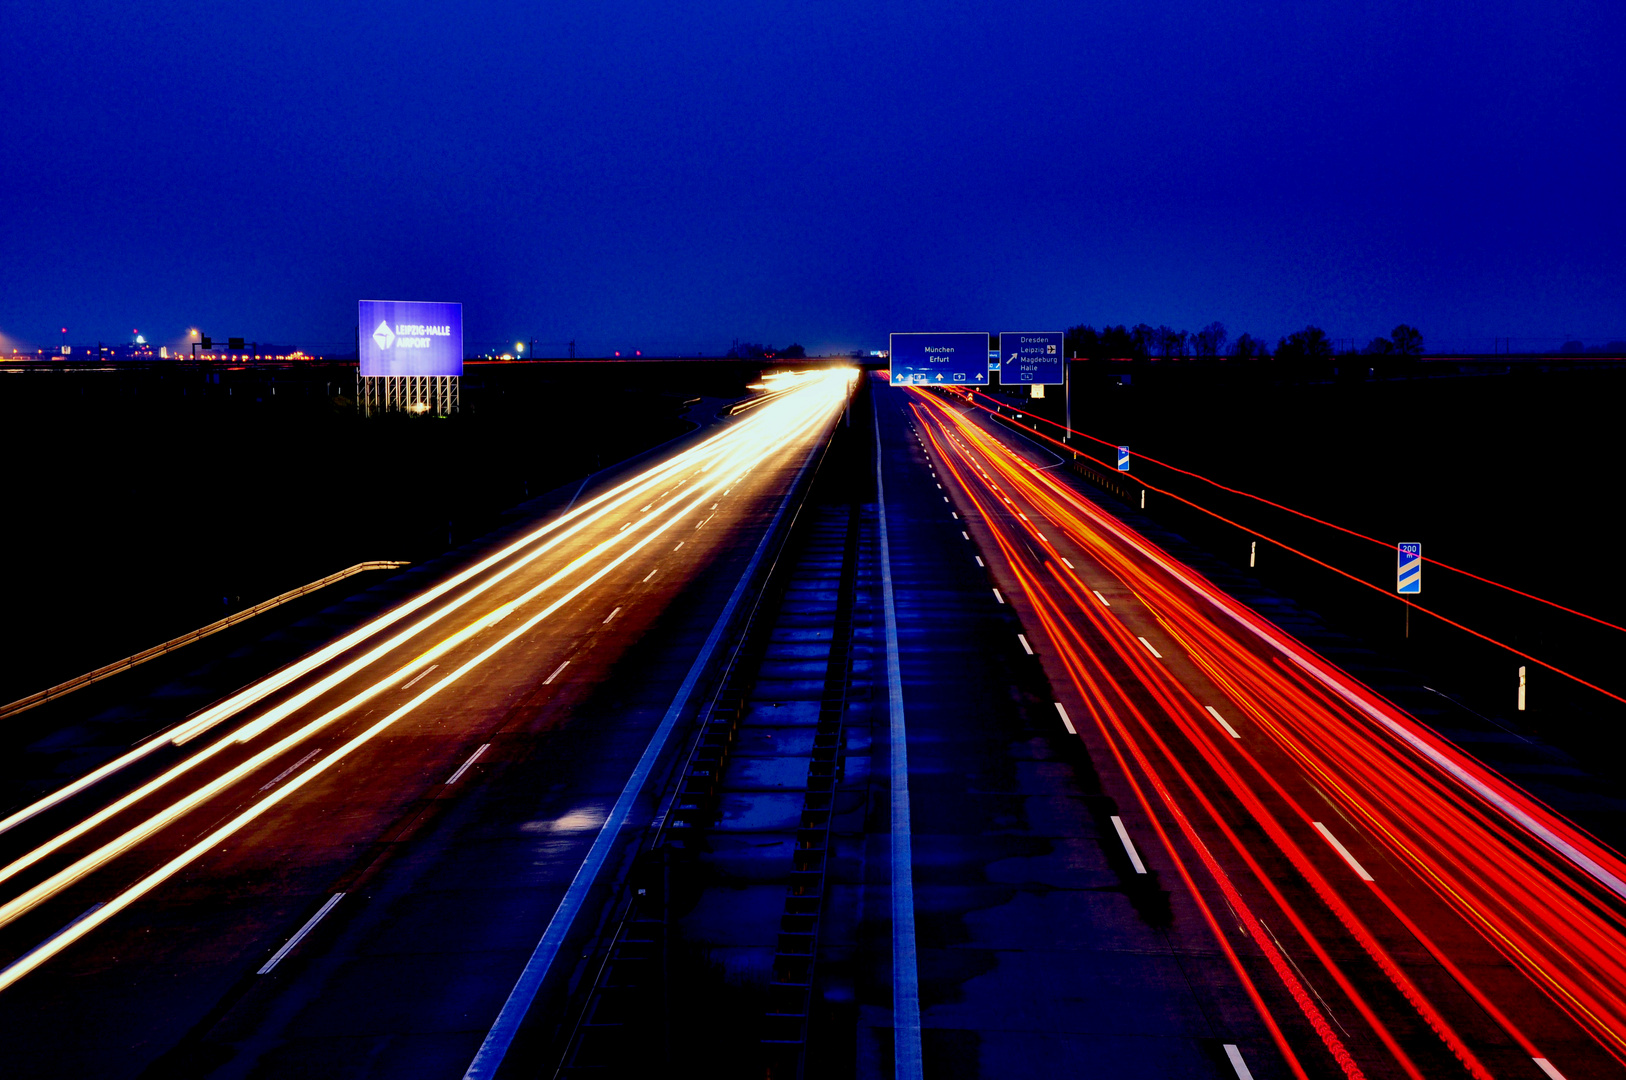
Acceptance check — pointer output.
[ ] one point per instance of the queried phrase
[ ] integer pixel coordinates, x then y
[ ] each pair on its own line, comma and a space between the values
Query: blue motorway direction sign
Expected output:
939, 359
1031, 357
1409, 578
1123, 459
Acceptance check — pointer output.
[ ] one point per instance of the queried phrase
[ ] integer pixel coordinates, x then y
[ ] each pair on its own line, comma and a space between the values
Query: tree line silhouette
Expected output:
1144, 342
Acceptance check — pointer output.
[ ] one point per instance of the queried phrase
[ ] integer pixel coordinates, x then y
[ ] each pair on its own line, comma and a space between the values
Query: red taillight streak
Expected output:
1096, 702
1427, 781
1522, 875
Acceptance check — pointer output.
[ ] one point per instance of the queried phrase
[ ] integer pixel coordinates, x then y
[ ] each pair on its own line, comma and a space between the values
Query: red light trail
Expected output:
1486, 916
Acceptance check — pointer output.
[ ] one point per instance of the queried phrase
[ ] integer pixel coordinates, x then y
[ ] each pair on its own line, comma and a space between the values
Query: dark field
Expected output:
1514, 477
143, 503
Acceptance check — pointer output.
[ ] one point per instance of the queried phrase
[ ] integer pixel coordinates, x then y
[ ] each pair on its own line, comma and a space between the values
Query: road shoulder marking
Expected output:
310, 924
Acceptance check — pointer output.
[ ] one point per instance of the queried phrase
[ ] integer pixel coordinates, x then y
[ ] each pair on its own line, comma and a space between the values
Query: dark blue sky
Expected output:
670, 176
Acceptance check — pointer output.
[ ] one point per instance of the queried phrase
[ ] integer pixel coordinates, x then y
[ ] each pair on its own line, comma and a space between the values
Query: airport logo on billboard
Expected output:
411, 338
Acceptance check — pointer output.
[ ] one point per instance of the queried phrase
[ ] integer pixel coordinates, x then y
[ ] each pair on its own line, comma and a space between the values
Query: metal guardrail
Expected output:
117, 666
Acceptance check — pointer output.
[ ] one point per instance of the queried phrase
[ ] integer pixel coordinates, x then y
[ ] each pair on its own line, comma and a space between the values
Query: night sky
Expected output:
669, 177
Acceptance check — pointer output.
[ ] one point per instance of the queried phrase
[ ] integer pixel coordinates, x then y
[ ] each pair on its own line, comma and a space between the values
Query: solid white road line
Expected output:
1129, 845
1237, 1063
1547, 1067
906, 1053
1149, 648
1025, 646
463, 768
277, 779
998, 597
1067, 721
1342, 850
556, 672
1228, 728
1104, 601
611, 615
310, 925
408, 684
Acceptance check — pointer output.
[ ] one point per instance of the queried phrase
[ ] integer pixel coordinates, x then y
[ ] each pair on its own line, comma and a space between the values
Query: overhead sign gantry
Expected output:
939, 359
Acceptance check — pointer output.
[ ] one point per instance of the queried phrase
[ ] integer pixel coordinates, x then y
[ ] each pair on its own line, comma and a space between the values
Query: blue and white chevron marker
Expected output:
1409, 580
1123, 459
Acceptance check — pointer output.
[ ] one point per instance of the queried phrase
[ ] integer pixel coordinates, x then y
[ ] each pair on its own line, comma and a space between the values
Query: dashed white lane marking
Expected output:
610, 616
556, 672
1228, 728
953, 515
945, 498
965, 534
1104, 601
1342, 850
998, 597
463, 768
680, 544
1237, 1063
1041, 537
1129, 845
1067, 564
1547, 1067
701, 524
276, 958
651, 574
1149, 648
1067, 721
1025, 646
939, 486
418, 676
979, 560
624, 526
277, 779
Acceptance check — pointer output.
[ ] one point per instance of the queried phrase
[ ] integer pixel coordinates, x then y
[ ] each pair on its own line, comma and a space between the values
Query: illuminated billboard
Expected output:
410, 337
939, 359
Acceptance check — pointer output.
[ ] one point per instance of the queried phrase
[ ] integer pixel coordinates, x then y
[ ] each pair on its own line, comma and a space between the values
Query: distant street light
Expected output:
519, 346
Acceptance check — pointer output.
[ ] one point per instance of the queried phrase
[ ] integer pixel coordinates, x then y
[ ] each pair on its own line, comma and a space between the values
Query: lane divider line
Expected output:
1067, 721
310, 924
467, 765
906, 1053
556, 672
1025, 646
1067, 564
1129, 845
408, 684
1148, 645
1228, 728
1237, 1063
1342, 850
1104, 601
657, 569
277, 779
979, 560
998, 597
965, 534
1547, 1067
611, 615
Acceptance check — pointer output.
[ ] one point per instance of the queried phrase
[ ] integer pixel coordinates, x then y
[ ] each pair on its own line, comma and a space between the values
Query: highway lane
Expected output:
299, 779
1394, 907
